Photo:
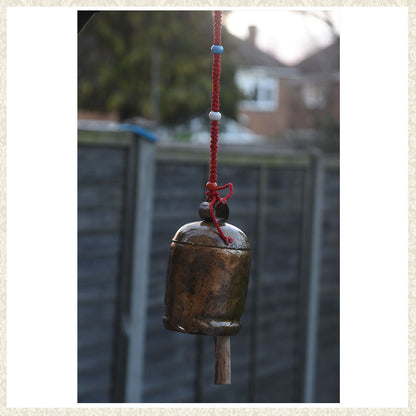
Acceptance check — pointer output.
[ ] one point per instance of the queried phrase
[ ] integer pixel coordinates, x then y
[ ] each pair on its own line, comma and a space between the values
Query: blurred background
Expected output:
144, 80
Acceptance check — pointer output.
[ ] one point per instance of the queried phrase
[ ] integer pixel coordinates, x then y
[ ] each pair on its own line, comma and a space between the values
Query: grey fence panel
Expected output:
273, 357
279, 286
101, 177
271, 203
107, 166
328, 343
170, 356
183, 364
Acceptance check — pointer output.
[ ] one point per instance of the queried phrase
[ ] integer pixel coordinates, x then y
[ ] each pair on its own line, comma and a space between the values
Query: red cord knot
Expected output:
213, 197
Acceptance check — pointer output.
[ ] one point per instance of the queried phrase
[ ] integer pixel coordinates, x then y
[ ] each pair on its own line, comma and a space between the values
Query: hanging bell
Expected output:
207, 281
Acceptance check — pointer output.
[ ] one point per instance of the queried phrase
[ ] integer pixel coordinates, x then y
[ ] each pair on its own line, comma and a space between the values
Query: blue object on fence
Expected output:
140, 131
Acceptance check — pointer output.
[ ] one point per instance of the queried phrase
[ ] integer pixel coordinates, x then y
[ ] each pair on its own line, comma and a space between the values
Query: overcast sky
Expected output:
288, 35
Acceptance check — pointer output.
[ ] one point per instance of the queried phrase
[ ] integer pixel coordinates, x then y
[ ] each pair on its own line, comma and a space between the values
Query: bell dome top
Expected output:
204, 233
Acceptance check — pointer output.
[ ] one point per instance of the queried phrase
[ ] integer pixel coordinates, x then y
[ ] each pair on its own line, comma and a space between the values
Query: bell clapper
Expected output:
222, 360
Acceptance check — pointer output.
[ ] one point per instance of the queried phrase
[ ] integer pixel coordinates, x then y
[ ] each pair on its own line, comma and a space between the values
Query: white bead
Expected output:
214, 116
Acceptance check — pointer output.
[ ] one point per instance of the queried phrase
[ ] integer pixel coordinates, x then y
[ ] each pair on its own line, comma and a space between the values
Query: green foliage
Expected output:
115, 64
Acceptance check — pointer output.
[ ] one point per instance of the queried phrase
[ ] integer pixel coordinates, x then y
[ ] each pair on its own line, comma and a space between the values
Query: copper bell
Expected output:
207, 281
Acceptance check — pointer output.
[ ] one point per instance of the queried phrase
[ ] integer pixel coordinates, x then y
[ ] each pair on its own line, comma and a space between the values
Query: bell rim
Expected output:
204, 329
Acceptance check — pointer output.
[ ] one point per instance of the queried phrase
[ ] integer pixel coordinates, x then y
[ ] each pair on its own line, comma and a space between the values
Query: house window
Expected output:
260, 91
313, 96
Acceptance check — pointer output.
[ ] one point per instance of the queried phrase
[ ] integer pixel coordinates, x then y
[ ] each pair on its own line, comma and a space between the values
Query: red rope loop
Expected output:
213, 197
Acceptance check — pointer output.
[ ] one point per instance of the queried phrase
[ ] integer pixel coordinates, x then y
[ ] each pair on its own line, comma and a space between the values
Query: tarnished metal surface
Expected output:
207, 280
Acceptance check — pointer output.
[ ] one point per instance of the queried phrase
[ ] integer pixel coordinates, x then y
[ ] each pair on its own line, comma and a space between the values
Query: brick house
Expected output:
264, 80
280, 99
315, 92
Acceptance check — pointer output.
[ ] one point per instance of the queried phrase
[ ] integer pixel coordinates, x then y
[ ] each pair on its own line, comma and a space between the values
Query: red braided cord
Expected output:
215, 99
213, 196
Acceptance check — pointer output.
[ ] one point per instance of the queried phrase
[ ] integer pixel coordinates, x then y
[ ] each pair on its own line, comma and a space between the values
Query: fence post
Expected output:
135, 325
310, 292
257, 283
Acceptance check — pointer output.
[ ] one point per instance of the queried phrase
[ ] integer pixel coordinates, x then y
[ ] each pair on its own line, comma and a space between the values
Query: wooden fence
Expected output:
132, 198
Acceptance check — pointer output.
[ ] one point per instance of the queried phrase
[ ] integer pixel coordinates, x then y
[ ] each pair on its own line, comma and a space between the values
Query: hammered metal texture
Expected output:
207, 280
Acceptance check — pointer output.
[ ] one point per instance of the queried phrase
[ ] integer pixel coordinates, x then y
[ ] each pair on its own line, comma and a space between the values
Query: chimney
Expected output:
252, 31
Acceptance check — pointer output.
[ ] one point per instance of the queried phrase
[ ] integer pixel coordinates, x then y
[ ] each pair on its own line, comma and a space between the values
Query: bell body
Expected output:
207, 280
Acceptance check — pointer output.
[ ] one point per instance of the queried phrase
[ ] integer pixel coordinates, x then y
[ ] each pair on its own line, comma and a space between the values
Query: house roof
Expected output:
326, 59
246, 53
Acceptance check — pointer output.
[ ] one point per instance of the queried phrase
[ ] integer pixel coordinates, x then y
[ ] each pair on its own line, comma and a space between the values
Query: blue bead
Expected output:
218, 49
